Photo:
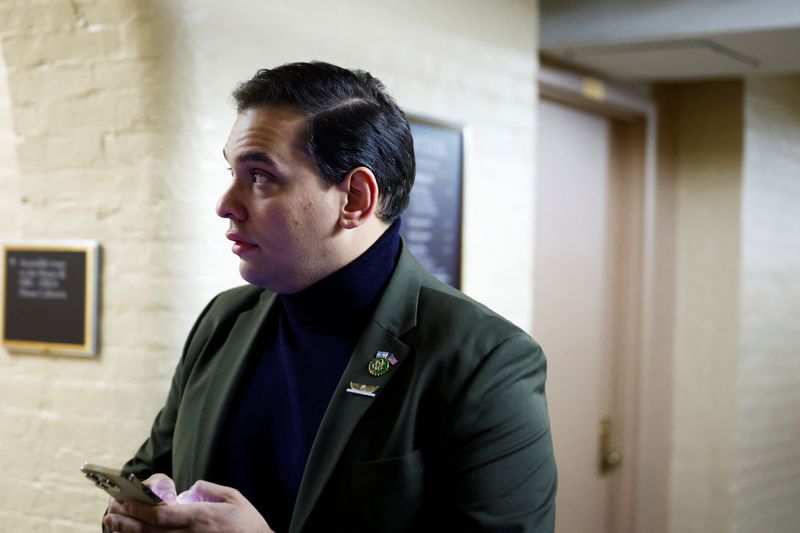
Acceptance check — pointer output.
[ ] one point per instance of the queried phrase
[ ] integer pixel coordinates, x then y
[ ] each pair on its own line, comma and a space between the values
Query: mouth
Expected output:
240, 244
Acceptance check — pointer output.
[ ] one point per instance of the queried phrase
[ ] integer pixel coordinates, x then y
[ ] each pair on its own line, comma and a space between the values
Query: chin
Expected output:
259, 278
250, 274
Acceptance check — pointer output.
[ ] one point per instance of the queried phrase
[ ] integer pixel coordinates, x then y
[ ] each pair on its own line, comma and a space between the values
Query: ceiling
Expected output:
665, 58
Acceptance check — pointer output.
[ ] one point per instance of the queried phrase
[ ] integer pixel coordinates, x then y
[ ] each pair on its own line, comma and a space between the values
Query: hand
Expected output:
204, 508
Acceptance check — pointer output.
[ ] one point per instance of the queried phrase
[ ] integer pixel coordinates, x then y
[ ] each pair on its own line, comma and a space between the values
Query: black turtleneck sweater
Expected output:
282, 397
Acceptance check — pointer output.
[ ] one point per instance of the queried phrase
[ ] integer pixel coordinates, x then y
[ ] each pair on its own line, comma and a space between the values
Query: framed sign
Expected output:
432, 222
50, 296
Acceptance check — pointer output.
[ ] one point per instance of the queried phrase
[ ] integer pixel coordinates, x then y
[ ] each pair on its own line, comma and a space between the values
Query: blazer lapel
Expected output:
230, 361
395, 315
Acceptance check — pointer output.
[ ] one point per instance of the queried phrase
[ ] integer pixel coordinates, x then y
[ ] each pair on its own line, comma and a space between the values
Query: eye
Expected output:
230, 170
260, 177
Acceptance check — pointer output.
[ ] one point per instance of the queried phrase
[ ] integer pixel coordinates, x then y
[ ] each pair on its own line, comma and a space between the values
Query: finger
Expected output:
126, 524
205, 491
114, 506
122, 524
165, 517
142, 512
163, 487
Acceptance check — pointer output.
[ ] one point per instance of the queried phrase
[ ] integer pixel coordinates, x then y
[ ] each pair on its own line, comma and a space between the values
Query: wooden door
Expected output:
582, 289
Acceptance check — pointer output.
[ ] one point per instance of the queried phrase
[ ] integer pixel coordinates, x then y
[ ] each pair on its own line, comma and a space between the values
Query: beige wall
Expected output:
731, 156
767, 468
112, 118
704, 140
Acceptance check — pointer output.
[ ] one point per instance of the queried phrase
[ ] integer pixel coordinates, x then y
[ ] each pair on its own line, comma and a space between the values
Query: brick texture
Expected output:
80, 123
736, 432
767, 482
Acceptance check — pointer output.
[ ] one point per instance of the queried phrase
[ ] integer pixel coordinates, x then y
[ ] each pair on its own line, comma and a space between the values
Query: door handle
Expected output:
609, 459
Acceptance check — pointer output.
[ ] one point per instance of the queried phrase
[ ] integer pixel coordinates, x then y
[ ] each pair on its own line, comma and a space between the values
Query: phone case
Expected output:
118, 486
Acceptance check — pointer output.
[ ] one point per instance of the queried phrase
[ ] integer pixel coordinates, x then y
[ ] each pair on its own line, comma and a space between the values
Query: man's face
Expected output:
283, 218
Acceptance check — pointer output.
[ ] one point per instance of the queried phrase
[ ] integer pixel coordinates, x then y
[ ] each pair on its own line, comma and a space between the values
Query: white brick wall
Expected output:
80, 125
767, 483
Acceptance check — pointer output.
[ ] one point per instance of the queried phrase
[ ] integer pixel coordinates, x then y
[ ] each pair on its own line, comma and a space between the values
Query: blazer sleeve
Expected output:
502, 469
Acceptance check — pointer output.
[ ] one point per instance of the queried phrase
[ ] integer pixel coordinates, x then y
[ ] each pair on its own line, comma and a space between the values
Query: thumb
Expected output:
163, 487
204, 491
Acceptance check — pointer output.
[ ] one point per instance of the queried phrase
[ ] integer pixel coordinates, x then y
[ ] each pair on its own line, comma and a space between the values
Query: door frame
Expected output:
642, 491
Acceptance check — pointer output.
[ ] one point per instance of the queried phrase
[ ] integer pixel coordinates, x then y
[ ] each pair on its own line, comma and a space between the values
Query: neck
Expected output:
348, 296
349, 245
357, 241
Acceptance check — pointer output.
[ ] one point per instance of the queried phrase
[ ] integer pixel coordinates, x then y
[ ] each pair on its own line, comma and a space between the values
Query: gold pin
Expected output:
363, 390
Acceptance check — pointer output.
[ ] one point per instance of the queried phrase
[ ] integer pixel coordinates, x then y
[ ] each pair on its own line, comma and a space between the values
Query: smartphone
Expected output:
122, 488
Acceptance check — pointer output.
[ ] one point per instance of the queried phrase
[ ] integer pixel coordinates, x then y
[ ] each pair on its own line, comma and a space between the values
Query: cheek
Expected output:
328, 207
274, 223
315, 214
298, 223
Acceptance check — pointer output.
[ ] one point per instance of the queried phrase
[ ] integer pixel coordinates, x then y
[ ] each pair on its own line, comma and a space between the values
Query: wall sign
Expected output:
50, 296
432, 222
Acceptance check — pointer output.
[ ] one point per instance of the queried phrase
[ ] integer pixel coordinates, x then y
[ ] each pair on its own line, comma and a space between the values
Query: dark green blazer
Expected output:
456, 437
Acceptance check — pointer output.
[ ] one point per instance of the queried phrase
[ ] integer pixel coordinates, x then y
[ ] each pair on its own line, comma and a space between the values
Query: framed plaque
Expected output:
432, 222
50, 296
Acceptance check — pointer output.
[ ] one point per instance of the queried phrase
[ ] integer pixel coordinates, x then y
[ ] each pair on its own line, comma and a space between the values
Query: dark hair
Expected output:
351, 121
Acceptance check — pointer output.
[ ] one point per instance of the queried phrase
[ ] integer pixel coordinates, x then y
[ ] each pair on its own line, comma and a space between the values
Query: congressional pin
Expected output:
363, 390
378, 366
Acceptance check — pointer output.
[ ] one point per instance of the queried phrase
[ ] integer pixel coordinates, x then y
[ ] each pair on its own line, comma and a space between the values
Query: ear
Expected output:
361, 192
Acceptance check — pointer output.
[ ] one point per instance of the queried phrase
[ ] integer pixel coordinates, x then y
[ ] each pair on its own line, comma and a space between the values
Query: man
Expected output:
345, 388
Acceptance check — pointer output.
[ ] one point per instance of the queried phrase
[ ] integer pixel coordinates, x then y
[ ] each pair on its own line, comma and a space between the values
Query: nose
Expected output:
230, 206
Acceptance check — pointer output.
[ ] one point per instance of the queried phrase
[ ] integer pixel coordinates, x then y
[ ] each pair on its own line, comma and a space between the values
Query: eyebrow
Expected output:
252, 156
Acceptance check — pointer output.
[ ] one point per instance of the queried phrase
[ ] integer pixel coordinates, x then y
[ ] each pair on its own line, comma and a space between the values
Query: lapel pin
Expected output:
363, 390
379, 364
388, 356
